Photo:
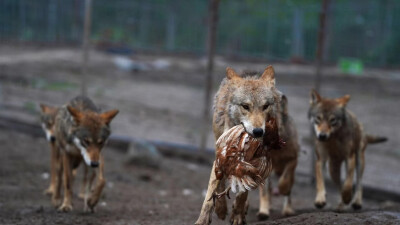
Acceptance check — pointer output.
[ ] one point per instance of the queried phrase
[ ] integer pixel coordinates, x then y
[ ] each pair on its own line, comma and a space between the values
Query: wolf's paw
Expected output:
288, 211
356, 206
221, 208
320, 204
56, 202
262, 216
204, 219
48, 191
320, 201
81, 195
65, 208
346, 195
91, 203
237, 219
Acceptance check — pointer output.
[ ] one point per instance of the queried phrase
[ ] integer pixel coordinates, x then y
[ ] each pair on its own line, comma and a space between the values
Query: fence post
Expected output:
86, 45
318, 66
211, 39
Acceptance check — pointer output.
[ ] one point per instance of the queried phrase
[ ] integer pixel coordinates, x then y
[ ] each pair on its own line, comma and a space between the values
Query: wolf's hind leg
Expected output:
286, 182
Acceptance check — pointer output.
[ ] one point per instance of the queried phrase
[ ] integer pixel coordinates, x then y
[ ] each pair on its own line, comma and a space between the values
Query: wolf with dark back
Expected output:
81, 131
339, 138
250, 101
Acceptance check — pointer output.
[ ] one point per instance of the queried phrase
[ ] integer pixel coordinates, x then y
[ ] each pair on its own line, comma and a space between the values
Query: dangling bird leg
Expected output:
226, 192
216, 195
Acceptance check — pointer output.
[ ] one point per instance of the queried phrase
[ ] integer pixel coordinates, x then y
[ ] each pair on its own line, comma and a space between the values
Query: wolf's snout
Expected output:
94, 164
258, 132
323, 136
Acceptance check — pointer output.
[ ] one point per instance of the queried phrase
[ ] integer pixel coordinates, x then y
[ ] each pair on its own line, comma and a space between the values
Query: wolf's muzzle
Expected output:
322, 137
94, 164
258, 132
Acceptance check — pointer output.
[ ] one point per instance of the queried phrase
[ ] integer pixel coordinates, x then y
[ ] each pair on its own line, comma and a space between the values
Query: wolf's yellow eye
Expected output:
317, 119
246, 107
333, 121
86, 141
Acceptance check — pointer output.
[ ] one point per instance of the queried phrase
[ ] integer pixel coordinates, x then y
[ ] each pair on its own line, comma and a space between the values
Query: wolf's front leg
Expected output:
67, 180
360, 165
265, 198
208, 205
82, 192
53, 170
320, 199
221, 209
94, 197
239, 209
58, 167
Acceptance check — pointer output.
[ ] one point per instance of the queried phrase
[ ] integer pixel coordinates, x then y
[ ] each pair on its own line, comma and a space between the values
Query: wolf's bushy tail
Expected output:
371, 139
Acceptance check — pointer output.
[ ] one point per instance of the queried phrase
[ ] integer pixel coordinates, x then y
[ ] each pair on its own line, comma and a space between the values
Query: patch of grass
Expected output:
61, 86
30, 107
54, 86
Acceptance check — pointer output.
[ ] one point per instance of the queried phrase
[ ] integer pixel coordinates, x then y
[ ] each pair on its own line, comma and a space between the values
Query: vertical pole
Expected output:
171, 28
211, 39
318, 66
86, 45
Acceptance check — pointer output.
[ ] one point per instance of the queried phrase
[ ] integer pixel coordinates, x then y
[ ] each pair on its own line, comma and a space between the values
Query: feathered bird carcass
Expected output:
244, 160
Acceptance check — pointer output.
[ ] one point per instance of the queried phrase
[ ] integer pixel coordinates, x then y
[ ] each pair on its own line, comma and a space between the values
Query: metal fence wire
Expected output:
270, 29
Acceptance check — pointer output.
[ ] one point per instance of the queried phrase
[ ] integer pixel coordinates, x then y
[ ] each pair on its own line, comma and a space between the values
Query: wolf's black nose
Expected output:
94, 164
52, 139
322, 137
258, 132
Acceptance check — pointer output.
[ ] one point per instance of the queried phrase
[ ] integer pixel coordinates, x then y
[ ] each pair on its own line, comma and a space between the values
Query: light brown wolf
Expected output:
339, 138
81, 132
240, 100
284, 162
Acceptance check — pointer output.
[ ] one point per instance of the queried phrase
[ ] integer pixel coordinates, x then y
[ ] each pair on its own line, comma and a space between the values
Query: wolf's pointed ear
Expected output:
109, 115
75, 113
269, 75
343, 100
47, 109
43, 107
315, 97
231, 74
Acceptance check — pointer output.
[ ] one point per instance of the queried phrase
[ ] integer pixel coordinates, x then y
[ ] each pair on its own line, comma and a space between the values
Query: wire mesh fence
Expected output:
270, 29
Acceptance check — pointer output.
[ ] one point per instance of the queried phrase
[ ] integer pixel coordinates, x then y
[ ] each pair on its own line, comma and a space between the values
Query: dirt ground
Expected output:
139, 195
165, 103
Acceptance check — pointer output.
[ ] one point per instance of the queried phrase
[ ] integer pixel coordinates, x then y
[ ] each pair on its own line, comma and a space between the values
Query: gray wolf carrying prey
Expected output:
339, 138
81, 131
249, 101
